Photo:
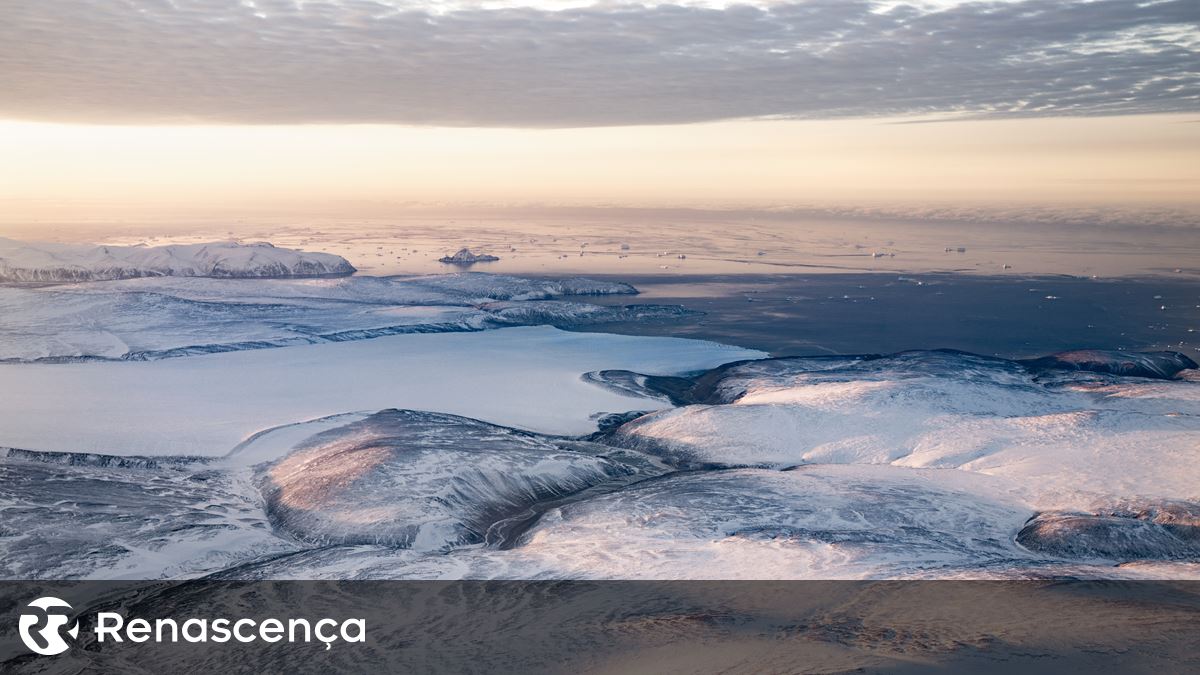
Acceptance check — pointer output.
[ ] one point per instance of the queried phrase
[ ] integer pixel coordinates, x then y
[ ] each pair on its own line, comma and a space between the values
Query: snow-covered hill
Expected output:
43, 262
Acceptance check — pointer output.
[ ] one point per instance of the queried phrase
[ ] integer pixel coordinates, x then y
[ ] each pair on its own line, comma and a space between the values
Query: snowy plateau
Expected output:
42, 262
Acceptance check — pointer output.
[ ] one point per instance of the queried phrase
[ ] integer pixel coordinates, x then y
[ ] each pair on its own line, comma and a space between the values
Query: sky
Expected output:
111, 106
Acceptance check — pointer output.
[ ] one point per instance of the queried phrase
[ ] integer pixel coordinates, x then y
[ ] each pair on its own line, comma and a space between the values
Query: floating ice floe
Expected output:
567, 314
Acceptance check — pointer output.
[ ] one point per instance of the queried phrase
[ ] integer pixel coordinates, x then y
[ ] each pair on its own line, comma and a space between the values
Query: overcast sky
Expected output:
109, 107
461, 64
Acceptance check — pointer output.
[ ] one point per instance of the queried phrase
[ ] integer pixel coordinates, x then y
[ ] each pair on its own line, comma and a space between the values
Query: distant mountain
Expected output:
33, 262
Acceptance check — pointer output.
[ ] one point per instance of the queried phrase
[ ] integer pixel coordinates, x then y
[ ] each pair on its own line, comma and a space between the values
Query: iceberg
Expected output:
464, 256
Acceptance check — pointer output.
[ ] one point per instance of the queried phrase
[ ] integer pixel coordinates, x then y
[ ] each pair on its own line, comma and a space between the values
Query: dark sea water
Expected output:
883, 313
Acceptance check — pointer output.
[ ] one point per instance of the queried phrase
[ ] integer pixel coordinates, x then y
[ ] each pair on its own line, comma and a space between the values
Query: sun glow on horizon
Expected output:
45, 168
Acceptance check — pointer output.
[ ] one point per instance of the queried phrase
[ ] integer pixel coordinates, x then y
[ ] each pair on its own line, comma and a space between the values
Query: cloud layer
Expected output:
275, 61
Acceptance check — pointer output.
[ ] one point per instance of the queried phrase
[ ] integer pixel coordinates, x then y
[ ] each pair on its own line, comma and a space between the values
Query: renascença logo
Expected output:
42, 625
44, 622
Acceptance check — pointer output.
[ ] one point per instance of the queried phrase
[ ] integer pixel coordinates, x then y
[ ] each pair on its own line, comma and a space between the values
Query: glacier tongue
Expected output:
570, 314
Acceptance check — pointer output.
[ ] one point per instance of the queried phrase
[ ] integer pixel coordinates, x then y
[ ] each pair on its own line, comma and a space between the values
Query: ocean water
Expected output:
1008, 316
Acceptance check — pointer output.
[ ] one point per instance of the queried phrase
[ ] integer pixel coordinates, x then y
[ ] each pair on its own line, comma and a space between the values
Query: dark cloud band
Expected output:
126, 61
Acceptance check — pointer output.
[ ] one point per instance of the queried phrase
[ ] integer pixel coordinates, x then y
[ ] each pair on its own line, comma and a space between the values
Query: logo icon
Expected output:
42, 625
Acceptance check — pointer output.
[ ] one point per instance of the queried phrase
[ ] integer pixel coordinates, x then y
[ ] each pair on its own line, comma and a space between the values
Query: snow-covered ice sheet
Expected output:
50, 262
1065, 439
526, 377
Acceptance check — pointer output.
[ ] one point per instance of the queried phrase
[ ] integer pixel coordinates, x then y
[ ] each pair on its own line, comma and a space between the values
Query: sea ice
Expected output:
526, 377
